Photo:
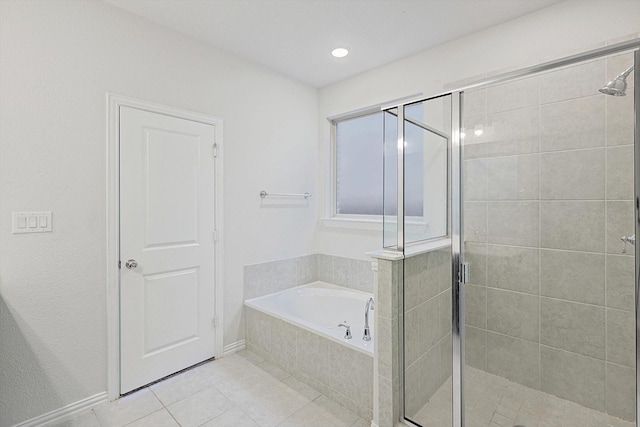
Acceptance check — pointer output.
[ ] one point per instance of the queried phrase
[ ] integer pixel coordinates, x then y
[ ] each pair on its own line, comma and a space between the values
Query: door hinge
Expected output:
215, 321
215, 235
464, 273
119, 264
214, 150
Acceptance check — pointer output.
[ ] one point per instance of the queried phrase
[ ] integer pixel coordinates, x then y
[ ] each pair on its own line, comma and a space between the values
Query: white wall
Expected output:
554, 32
58, 59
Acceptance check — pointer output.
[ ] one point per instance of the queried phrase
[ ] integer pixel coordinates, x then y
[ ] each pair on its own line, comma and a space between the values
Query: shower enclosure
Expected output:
514, 205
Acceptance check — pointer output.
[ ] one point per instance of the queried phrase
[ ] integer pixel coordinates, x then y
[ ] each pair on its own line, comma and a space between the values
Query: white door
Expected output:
166, 228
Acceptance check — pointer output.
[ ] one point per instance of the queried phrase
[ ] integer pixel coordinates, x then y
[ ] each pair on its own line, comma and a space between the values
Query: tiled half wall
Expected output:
427, 331
427, 326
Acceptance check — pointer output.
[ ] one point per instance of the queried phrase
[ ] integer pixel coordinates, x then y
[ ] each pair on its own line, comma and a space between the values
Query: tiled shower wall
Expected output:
269, 277
548, 194
427, 326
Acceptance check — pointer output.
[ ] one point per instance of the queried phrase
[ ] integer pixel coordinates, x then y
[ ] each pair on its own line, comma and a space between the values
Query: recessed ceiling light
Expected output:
340, 52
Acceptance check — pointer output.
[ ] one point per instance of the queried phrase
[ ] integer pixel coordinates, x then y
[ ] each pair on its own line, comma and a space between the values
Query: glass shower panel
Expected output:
390, 179
427, 128
425, 294
547, 197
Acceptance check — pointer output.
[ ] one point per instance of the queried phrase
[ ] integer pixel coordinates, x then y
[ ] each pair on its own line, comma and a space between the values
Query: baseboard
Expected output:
234, 347
66, 412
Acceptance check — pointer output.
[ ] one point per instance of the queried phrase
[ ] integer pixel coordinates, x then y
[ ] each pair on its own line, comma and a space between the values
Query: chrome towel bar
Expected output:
264, 194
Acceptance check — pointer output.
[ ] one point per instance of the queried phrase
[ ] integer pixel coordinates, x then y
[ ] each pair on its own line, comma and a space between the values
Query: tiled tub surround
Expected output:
342, 374
274, 276
548, 194
339, 371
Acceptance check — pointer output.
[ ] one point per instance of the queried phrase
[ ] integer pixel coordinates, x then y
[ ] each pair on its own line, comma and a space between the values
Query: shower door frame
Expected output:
636, 199
456, 217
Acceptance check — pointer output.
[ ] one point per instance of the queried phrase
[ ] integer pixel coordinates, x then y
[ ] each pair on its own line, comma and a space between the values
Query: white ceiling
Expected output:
295, 37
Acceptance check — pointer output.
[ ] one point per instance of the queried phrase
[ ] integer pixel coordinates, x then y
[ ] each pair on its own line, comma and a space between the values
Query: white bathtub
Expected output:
319, 307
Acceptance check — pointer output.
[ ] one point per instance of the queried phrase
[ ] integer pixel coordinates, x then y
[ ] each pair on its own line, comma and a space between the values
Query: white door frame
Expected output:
114, 102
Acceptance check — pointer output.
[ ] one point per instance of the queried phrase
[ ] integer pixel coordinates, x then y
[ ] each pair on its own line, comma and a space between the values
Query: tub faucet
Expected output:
347, 334
368, 306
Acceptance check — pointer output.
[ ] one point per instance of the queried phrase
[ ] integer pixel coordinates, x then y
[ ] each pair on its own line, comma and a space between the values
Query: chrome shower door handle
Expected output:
132, 263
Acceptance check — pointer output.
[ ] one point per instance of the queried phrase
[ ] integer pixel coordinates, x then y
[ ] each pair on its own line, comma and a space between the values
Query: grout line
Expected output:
502, 334
567, 150
512, 201
486, 299
557, 299
486, 264
539, 247
573, 99
504, 201
550, 249
606, 240
172, 416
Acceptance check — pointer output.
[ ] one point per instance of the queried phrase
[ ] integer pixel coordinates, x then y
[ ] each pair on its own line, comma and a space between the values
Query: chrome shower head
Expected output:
618, 86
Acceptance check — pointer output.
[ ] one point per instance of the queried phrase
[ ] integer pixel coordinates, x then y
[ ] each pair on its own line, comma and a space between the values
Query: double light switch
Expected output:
30, 222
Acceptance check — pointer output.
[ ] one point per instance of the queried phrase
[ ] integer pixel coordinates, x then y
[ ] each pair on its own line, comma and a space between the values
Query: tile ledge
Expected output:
411, 250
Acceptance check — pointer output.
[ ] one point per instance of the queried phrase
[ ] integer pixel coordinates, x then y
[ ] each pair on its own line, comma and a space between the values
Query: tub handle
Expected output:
347, 335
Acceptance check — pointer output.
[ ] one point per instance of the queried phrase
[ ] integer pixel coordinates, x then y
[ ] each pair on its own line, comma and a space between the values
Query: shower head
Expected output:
618, 86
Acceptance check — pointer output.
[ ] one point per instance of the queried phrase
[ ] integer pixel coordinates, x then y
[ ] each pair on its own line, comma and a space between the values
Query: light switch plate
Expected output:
31, 222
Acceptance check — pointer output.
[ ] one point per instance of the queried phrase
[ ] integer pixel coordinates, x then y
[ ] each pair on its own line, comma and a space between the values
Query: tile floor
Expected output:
240, 390
493, 401
243, 390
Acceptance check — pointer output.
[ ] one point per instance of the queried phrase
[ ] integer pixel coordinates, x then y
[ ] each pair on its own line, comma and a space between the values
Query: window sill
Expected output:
370, 224
352, 223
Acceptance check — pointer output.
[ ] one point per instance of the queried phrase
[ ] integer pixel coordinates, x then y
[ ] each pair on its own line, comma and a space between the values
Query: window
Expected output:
358, 165
365, 162
366, 156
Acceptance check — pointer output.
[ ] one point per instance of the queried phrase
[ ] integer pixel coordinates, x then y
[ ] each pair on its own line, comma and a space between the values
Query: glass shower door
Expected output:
548, 214
425, 293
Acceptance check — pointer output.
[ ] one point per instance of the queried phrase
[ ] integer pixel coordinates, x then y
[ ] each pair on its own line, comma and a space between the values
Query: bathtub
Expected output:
297, 330
319, 307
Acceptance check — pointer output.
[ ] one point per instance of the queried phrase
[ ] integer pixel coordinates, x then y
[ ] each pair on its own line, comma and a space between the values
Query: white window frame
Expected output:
354, 221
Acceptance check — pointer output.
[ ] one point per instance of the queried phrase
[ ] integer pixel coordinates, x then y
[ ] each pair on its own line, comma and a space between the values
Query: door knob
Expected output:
132, 263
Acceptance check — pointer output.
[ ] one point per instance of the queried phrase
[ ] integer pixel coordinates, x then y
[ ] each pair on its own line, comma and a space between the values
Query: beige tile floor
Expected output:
493, 401
243, 390
240, 390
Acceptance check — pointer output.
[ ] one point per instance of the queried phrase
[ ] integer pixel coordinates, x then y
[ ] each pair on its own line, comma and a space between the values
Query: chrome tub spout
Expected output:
367, 332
